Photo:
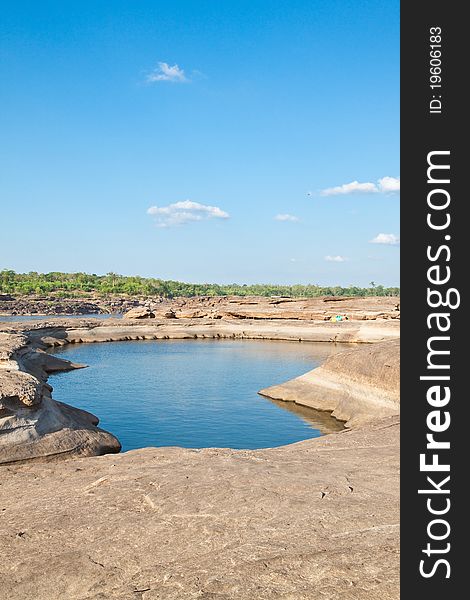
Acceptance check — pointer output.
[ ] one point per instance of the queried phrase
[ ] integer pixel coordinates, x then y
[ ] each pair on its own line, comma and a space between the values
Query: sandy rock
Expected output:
357, 385
235, 307
317, 519
139, 312
19, 388
9, 344
302, 309
50, 431
32, 425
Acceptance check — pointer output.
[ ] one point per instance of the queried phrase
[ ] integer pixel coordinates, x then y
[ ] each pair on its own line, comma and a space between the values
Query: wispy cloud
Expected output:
184, 212
165, 72
337, 258
286, 217
385, 185
390, 239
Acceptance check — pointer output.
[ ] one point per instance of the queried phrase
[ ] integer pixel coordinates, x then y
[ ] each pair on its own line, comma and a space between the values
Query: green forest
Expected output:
73, 284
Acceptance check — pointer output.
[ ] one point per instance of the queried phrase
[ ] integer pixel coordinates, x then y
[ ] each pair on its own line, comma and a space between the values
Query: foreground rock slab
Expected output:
318, 519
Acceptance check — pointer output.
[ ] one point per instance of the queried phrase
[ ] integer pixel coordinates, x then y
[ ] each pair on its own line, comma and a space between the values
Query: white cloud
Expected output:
164, 72
184, 212
350, 188
286, 217
389, 184
385, 185
336, 258
390, 239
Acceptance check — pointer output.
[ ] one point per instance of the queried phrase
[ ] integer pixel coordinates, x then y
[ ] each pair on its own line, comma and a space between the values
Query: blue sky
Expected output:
228, 120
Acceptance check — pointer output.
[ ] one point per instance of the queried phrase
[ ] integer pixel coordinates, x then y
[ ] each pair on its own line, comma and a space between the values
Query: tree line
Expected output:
71, 284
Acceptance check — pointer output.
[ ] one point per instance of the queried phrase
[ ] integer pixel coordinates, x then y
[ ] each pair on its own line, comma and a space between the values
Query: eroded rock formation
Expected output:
303, 309
139, 312
33, 425
356, 385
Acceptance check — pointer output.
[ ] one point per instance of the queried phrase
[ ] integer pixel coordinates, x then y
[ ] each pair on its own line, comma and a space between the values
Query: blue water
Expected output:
196, 393
49, 317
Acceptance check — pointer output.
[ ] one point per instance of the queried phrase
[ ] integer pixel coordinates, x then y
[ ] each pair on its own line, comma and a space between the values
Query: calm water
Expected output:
196, 394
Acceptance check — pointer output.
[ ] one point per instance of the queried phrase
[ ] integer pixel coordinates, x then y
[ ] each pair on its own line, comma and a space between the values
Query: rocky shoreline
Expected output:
34, 426
317, 518
356, 385
55, 305
221, 307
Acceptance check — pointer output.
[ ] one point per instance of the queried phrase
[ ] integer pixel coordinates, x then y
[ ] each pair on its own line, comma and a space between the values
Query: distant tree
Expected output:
70, 284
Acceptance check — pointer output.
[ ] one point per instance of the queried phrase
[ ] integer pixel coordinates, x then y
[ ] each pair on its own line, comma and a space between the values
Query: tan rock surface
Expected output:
77, 331
265, 308
357, 385
33, 425
250, 307
19, 388
139, 312
318, 519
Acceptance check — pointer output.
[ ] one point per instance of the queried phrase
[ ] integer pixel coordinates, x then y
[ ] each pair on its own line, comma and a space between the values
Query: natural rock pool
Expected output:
193, 393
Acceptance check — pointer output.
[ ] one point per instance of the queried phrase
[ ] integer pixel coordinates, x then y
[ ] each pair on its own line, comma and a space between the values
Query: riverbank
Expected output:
213, 307
356, 385
314, 519
34, 426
